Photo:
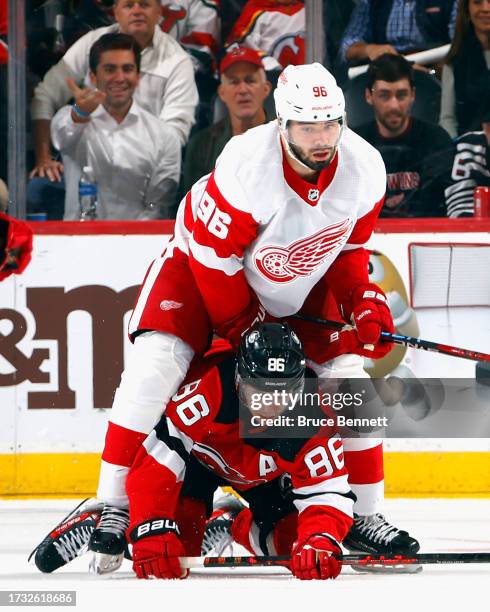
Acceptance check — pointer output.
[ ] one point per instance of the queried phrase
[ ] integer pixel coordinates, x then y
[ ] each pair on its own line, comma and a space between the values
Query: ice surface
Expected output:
447, 525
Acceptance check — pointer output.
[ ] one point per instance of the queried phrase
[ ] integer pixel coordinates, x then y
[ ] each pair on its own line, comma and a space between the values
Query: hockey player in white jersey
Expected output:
277, 229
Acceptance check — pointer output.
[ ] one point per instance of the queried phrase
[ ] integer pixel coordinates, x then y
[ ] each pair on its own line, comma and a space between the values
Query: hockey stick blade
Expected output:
359, 560
407, 341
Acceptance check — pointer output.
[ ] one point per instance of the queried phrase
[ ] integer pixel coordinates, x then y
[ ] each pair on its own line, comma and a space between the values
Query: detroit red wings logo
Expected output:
303, 257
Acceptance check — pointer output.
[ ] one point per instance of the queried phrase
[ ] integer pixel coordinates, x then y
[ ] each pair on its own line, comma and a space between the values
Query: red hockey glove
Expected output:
371, 316
156, 549
313, 559
234, 329
15, 246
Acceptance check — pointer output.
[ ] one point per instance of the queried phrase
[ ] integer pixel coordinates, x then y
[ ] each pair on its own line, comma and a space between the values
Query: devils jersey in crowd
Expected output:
202, 419
276, 29
194, 23
471, 168
418, 164
256, 225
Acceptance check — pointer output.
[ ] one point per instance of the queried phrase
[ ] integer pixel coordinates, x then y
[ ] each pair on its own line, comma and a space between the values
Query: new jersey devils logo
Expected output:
289, 49
304, 256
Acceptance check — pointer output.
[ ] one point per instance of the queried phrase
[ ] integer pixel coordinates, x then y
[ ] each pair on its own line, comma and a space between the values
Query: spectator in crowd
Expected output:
417, 154
396, 26
466, 73
471, 168
194, 23
167, 87
274, 28
134, 157
243, 89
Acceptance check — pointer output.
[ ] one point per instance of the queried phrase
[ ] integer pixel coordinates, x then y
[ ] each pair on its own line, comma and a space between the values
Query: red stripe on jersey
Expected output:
252, 10
365, 466
220, 226
365, 225
303, 188
201, 39
225, 296
121, 445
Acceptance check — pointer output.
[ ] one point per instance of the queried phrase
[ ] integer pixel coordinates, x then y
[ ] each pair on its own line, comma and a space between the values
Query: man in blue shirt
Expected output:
397, 26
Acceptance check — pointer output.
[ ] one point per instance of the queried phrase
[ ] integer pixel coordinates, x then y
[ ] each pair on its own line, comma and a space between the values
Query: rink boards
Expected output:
63, 344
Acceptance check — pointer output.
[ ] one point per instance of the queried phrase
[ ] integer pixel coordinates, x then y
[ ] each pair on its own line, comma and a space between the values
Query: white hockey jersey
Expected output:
254, 223
275, 29
195, 24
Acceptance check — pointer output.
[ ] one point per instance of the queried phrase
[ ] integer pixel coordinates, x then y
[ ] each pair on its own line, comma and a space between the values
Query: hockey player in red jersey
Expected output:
277, 229
198, 445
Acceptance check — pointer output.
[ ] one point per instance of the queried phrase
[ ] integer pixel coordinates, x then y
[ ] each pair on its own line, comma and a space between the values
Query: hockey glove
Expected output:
233, 329
156, 549
15, 246
314, 560
371, 316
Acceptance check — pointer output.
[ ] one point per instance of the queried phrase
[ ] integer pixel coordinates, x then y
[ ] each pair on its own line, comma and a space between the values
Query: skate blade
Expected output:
387, 569
105, 564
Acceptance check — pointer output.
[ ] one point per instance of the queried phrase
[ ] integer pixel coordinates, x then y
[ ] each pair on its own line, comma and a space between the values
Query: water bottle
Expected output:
87, 195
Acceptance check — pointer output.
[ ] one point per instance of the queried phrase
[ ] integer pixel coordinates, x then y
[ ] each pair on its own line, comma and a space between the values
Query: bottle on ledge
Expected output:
87, 195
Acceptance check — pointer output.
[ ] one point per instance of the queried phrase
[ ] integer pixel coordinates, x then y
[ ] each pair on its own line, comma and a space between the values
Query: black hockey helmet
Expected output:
271, 357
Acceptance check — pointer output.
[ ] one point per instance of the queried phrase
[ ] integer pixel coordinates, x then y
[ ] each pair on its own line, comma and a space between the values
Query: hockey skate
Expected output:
373, 534
217, 535
69, 539
108, 540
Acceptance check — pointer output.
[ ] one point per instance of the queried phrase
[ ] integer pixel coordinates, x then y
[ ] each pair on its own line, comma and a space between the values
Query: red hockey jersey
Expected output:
275, 29
203, 419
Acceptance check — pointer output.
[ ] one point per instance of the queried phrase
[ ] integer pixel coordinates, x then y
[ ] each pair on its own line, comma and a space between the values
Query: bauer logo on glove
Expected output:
154, 527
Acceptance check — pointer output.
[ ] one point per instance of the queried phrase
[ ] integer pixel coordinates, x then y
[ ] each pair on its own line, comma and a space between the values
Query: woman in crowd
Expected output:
466, 73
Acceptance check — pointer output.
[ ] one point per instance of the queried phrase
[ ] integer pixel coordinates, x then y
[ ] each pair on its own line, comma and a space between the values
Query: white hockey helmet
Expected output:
308, 92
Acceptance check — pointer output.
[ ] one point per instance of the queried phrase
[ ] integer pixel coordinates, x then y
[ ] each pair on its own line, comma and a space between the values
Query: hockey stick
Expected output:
359, 560
408, 341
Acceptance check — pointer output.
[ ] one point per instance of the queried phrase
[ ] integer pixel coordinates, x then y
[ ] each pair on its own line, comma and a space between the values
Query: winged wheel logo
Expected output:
303, 257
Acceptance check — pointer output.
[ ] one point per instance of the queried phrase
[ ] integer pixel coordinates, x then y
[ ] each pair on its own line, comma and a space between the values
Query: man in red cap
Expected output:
243, 89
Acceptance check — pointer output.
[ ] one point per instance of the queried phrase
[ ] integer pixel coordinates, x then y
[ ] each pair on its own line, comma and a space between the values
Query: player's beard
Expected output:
317, 166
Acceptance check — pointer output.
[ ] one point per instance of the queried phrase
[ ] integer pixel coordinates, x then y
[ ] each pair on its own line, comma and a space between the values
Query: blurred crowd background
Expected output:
120, 129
